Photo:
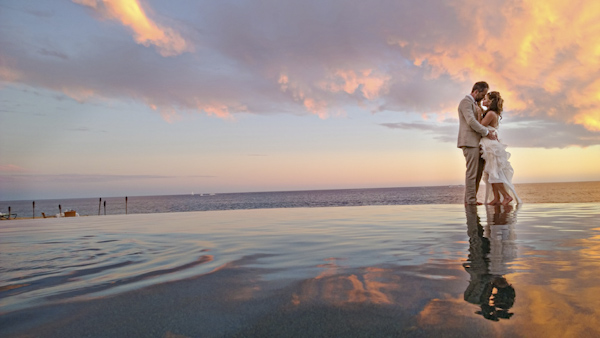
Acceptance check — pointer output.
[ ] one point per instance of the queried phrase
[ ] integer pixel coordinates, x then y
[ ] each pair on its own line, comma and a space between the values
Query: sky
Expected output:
103, 98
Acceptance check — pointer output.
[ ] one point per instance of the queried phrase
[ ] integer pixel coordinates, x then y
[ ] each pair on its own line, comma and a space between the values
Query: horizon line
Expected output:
278, 191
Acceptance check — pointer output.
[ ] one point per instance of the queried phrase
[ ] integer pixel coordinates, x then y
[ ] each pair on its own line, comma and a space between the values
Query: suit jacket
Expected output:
470, 131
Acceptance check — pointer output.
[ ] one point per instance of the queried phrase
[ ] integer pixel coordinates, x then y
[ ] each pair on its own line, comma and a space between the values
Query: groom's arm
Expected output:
466, 109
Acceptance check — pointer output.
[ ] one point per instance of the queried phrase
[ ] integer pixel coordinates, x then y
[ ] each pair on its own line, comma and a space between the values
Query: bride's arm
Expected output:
466, 109
489, 118
479, 113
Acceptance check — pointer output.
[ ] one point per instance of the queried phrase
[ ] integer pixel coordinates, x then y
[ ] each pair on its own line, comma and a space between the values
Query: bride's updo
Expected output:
496, 102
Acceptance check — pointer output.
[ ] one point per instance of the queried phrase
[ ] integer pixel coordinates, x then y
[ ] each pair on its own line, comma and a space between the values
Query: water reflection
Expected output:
490, 251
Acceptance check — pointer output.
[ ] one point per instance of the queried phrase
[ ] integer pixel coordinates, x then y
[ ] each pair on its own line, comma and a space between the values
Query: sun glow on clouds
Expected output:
299, 94
170, 115
520, 47
405, 57
11, 168
146, 32
367, 82
8, 73
316, 97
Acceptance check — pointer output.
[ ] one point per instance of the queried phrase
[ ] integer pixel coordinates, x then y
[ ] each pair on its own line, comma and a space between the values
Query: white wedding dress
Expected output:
497, 167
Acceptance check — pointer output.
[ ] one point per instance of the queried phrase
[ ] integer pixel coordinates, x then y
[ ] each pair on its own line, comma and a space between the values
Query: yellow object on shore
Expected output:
71, 213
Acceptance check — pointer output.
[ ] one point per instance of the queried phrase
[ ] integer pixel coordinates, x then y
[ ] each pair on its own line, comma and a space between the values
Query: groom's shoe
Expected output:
478, 203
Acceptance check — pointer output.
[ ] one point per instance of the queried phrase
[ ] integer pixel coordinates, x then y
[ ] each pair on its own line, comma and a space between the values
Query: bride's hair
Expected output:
496, 104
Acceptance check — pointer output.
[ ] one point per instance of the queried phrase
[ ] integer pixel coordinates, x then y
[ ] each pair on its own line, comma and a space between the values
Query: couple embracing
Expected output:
485, 155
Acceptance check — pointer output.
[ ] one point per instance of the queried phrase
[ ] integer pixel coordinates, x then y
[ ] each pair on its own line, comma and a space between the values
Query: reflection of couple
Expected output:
488, 258
485, 155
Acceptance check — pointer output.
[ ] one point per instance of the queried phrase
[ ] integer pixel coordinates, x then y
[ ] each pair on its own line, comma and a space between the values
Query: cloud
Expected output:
11, 168
85, 179
539, 54
8, 70
145, 31
520, 133
86, 130
40, 13
368, 84
445, 131
326, 57
59, 55
547, 134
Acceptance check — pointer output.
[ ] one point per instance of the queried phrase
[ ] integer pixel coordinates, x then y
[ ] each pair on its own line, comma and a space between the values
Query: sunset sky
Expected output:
106, 98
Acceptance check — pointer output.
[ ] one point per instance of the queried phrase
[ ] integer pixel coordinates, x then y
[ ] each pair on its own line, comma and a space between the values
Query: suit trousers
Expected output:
475, 165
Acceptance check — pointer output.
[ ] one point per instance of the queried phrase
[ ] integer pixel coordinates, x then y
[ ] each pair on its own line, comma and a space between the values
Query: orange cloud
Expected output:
145, 31
283, 81
316, 96
218, 109
9, 75
7, 70
588, 102
299, 94
78, 94
168, 114
375, 286
523, 46
11, 168
437, 313
316, 107
370, 84
589, 118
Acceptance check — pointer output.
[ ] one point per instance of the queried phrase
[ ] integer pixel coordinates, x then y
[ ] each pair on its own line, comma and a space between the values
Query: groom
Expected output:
469, 133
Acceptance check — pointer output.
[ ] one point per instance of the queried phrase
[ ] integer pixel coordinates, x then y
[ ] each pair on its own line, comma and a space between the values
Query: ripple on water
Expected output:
60, 260
43, 269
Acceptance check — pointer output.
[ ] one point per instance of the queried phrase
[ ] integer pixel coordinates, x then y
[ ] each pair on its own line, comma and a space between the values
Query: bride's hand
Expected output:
479, 113
492, 136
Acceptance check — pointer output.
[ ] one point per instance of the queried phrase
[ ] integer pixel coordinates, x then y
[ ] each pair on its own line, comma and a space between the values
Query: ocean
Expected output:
400, 262
571, 192
357, 271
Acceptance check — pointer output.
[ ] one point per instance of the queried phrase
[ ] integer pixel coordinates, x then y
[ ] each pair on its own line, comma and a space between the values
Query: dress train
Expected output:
497, 167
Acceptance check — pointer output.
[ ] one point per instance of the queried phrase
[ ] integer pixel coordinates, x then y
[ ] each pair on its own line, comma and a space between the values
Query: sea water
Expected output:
574, 192
388, 270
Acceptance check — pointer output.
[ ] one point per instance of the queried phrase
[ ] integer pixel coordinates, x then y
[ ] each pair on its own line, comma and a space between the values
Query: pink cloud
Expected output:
147, 32
322, 57
370, 84
11, 168
524, 49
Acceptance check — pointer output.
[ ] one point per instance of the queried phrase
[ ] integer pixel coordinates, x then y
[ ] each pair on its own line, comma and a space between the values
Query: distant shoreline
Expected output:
275, 191
530, 193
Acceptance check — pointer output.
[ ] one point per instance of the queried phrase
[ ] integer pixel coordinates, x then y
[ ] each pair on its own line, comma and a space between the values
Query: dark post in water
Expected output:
8, 212
60, 209
99, 204
104, 208
34, 209
125, 205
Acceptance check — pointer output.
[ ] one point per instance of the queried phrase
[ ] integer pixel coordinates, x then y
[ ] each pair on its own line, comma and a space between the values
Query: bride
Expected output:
497, 171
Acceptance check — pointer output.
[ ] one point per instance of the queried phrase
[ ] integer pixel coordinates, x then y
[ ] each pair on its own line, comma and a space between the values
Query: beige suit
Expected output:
469, 133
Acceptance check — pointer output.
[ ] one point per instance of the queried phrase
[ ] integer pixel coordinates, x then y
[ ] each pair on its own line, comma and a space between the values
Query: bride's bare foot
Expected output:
507, 200
494, 202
